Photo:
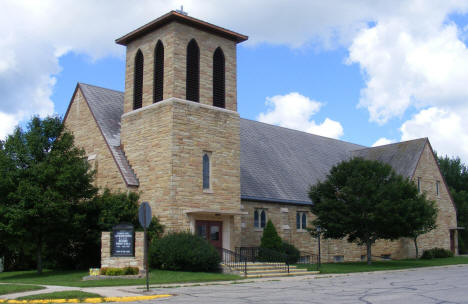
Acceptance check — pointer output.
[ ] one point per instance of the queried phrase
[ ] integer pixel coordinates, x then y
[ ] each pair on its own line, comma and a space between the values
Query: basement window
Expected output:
338, 258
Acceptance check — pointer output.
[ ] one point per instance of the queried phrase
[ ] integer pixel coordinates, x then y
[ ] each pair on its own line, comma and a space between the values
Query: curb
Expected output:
88, 300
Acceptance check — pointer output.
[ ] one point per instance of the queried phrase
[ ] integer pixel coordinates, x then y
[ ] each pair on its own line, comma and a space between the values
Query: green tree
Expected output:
364, 201
44, 177
270, 238
456, 175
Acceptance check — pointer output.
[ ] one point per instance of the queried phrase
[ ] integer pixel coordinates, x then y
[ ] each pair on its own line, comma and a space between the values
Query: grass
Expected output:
350, 267
13, 288
73, 278
69, 294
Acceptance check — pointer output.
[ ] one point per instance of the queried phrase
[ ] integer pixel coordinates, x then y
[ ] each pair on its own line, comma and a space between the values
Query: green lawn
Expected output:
12, 288
70, 294
383, 265
73, 278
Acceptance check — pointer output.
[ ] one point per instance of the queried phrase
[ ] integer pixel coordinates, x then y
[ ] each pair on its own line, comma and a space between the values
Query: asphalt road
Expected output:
425, 285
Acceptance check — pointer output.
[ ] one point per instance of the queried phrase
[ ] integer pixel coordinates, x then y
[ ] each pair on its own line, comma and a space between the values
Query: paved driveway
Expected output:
425, 285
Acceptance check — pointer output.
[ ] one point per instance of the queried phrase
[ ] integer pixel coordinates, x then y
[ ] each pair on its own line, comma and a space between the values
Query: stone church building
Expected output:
175, 136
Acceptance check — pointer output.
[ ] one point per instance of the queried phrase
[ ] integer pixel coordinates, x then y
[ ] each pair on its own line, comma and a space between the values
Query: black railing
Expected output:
275, 259
234, 260
308, 258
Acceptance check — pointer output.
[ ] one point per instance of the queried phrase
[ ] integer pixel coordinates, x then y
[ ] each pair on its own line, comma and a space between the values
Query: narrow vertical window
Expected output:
158, 80
301, 220
219, 89
193, 72
206, 171
256, 221
437, 188
138, 81
419, 184
304, 220
263, 219
298, 221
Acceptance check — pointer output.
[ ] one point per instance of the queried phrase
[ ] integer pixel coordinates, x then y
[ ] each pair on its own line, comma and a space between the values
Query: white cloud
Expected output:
295, 111
383, 141
447, 130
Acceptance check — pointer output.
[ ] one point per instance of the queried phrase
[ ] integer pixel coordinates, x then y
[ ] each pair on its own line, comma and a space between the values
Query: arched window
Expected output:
259, 218
193, 71
263, 219
206, 171
158, 80
138, 81
218, 79
256, 219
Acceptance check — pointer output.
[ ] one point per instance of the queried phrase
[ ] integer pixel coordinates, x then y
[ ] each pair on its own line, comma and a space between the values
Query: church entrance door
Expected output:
212, 231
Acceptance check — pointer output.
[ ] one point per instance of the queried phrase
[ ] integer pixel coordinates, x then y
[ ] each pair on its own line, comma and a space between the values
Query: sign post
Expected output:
144, 217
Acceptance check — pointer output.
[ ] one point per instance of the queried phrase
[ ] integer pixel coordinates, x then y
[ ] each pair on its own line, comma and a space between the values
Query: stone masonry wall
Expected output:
283, 217
120, 262
175, 38
165, 142
81, 123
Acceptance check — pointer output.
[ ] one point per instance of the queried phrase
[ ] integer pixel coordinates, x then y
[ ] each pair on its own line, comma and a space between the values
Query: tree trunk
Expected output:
416, 246
39, 255
369, 252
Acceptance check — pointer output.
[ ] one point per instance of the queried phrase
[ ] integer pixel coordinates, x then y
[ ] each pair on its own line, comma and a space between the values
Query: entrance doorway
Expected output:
212, 231
452, 241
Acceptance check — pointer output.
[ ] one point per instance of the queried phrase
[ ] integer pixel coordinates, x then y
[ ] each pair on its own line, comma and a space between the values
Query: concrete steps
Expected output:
260, 270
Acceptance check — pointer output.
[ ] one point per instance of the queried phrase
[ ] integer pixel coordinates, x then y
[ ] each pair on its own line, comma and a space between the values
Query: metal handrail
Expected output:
233, 259
274, 258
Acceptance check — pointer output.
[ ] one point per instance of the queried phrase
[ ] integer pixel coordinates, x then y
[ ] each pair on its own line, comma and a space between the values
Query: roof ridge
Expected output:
307, 133
395, 143
92, 85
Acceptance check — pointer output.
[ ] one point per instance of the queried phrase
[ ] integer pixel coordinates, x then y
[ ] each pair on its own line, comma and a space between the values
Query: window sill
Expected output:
258, 229
301, 230
209, 191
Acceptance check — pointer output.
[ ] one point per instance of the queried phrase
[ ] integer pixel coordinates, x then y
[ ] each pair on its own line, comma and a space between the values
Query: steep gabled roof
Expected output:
402, 156
107, 107
280, 164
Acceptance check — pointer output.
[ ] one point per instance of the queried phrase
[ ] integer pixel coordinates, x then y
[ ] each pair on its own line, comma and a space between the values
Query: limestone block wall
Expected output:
120, 262
80, 122
428, 172
175, 38
164, 143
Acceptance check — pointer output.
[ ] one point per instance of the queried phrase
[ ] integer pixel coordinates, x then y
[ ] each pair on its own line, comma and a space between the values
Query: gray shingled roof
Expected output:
281, 164
107, 107
277, 164
402, 156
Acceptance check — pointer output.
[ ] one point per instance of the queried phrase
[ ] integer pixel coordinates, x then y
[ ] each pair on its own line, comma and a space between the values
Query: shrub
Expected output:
436, 253
184, 251
103, 271
292, 253
114, 271
131, 270
270, 238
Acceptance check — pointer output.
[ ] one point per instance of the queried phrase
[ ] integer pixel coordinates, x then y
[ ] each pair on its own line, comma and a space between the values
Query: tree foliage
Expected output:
270, 238
49, 209
44, 178
456, 175
364, 201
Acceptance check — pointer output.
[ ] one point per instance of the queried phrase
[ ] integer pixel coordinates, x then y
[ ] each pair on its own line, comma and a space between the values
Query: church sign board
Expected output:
123, 241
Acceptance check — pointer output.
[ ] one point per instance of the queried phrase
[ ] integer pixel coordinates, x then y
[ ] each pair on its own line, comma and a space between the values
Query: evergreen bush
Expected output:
270, 238
292, 253
184, 251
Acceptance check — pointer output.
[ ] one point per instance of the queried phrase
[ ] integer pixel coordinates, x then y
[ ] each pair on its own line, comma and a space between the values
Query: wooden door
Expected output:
212, 231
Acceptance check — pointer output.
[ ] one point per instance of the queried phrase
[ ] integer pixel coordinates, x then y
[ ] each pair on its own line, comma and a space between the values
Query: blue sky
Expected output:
367, 72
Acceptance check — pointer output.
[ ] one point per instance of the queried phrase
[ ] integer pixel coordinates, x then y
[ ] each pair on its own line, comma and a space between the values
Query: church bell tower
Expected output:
180, 127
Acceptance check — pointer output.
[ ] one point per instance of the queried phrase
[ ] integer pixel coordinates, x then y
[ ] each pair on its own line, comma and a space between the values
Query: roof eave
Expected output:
175, 16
